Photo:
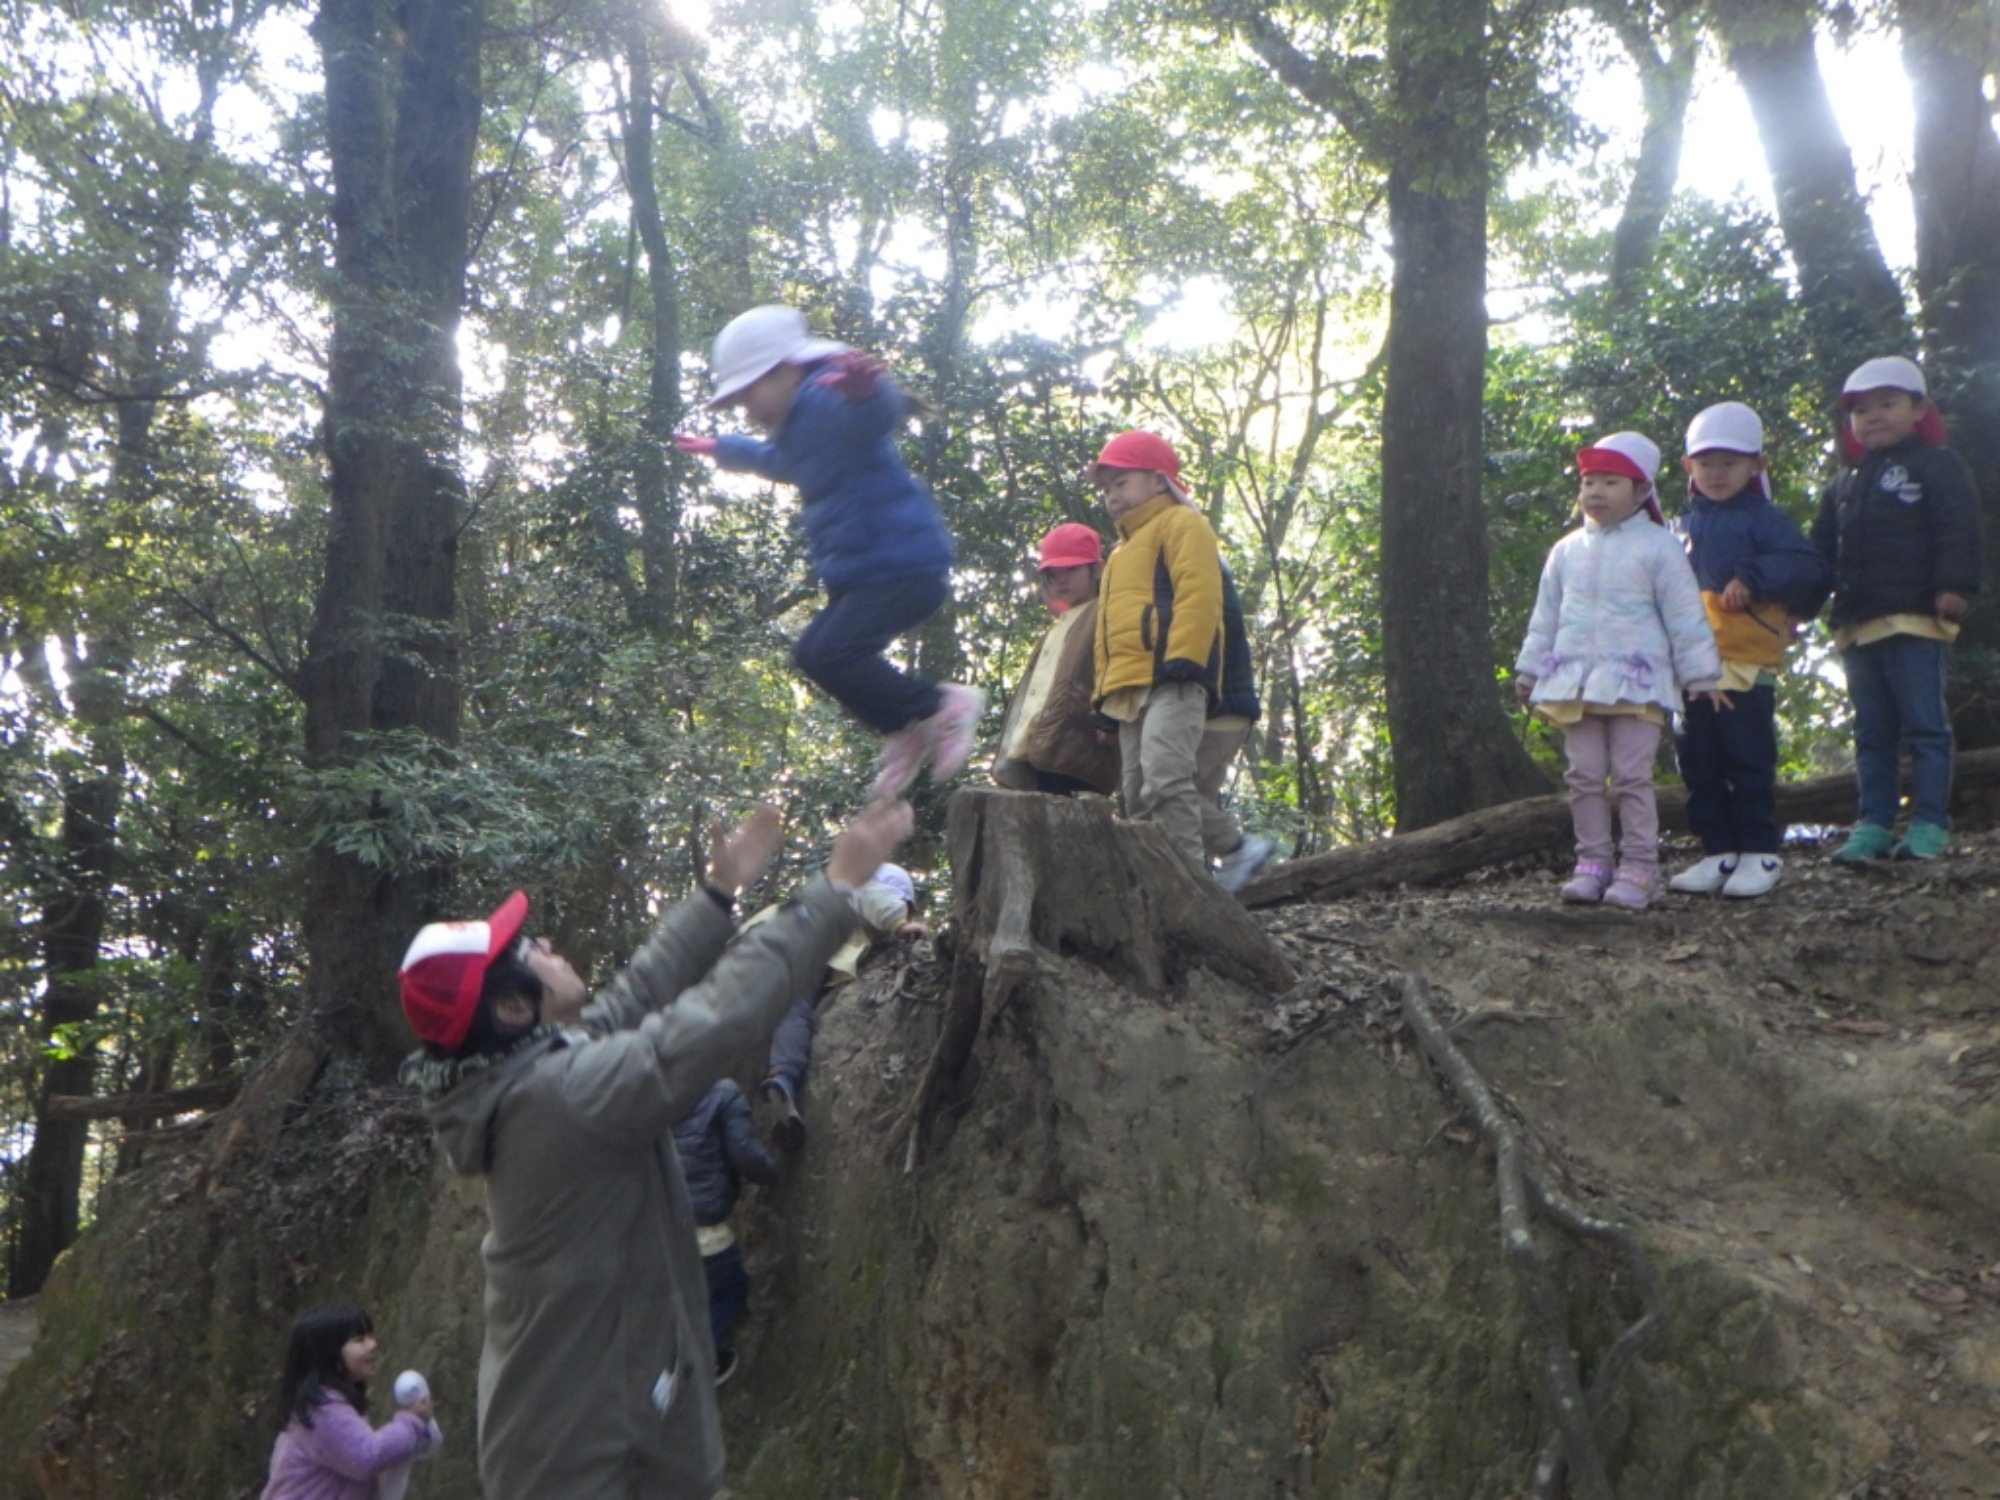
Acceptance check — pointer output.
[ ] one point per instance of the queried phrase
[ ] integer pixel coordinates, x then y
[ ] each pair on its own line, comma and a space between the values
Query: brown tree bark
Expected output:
402, 112
1948, 52
1538, 826
1454, 750
1036, 879
1854, 309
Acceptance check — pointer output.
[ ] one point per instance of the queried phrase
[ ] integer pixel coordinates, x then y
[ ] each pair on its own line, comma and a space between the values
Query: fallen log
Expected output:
196, 1096
1541, 826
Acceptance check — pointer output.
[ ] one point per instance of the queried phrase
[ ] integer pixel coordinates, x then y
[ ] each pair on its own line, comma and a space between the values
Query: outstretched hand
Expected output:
853, 374
737, 857
867, 842
1717, 699
700, 447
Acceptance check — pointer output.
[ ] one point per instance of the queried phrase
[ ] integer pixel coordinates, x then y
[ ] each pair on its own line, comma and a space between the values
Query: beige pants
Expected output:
1220, 833
1161, 750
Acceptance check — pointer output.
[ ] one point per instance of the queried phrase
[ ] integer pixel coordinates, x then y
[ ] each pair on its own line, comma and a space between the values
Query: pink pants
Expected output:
1617, 749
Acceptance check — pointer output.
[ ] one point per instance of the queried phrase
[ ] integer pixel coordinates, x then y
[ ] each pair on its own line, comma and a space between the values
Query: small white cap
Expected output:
757, 342
1892, 373
1728, 426
411, 1387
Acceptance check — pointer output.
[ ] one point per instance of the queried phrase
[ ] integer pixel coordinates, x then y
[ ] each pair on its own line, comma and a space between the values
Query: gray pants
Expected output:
1160, 750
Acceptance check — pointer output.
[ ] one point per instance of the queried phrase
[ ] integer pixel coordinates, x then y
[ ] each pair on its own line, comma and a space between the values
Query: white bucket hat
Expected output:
757, 342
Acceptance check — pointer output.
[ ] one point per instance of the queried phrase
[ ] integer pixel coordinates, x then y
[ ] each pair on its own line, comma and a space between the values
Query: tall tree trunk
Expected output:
1454, 751
73, 923
1666, 84
1854, 309
402, 108
1948, 52
653, 479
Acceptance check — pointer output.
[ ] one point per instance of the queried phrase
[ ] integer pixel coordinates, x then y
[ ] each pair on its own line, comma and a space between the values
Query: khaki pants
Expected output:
1160, 750
1220, 833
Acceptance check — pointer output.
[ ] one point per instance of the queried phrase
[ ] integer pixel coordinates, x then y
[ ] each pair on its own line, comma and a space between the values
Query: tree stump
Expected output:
1039, 879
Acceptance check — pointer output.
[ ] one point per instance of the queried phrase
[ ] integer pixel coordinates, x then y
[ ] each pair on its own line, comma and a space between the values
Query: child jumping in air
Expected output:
1900, 529
1757, 574
327, 1450
874, 534
1617, 637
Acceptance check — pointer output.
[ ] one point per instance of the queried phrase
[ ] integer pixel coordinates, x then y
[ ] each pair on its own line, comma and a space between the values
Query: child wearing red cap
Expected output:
874, 534
1049, 742
1618, 636
1159, 647
1900, 529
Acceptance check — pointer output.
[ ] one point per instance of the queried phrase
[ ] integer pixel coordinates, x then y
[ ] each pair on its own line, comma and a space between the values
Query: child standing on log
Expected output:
1758, 574
1617, 636
876, 540
1900, 529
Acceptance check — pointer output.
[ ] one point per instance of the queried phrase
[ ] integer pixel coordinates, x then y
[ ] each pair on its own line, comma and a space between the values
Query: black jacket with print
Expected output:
1899, 528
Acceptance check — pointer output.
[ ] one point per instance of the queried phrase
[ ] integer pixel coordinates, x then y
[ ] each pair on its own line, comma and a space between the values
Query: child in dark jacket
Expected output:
874, 534
1900, 529
1757, 575
717, 1143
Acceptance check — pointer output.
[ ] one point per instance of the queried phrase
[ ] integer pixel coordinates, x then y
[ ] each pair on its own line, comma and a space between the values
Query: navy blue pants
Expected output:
842, 648
1729, 760
1897, 688
728, 1291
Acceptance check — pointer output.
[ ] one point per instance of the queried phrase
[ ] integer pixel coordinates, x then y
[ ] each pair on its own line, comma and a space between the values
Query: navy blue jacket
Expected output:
717, 1142
1239, 680
1899, 528
1749, 538
867, 518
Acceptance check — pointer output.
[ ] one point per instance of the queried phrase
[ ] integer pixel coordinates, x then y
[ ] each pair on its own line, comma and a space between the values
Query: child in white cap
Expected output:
1758, 575
873, 532
1618, 636
1900, 529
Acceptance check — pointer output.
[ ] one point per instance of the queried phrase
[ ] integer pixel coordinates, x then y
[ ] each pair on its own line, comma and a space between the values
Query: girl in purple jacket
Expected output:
327, 1450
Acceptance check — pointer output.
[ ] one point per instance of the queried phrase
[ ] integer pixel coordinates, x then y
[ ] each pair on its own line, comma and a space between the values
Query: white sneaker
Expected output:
1756, 875
1234, 869
1710, 875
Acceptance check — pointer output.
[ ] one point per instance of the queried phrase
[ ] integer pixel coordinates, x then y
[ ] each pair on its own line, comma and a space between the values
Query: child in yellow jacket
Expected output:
1159, 632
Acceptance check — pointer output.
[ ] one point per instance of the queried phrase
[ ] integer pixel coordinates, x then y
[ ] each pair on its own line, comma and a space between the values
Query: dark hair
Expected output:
506, 975
314, 1365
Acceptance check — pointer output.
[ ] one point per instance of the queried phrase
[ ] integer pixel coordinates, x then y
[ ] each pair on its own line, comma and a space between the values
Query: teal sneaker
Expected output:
1867, 841
1923, 841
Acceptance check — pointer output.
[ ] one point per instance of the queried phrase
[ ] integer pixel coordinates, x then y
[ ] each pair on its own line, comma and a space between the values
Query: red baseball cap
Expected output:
446, 965
1141, 450
1071, 545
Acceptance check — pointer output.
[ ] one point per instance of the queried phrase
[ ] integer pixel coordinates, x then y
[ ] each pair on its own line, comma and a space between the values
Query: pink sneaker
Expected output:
949, 730
1633, 889
902, 756
1586, 883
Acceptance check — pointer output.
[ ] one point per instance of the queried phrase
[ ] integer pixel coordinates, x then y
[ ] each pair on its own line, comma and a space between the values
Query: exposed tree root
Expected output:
1572, 1452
